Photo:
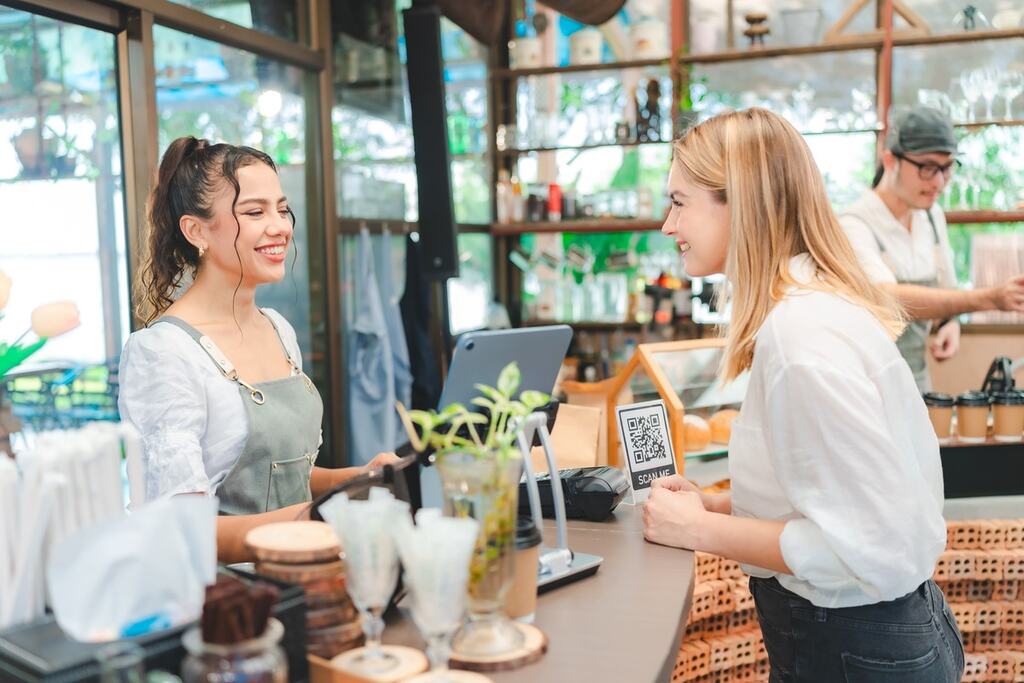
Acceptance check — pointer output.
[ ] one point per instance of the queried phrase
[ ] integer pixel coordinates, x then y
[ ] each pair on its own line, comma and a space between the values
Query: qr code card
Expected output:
643, 430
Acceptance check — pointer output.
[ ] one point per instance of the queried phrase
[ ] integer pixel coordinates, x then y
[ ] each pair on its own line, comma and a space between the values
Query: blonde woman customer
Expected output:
836, 502
214, 383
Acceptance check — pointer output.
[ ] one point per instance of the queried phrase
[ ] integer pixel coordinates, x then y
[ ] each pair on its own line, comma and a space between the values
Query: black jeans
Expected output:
913, 639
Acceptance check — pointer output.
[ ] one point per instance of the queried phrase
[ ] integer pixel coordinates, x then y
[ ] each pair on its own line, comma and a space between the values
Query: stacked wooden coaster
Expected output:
307, 554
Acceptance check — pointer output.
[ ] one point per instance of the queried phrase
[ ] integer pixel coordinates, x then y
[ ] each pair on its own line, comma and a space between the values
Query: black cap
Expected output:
920, 130
938, 400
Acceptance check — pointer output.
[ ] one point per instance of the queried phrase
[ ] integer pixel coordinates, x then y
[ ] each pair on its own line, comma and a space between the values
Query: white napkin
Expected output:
364, 529
137, 573
436, 555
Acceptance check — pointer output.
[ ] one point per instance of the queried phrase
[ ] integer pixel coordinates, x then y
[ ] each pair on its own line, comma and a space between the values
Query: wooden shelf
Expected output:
578, 148
962, 37
586, 325
986, 124
865, 43
980, 216
589, 225
576, 68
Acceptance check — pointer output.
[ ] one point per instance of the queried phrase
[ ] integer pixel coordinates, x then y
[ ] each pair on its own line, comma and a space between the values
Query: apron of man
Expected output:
284, 416
913, 343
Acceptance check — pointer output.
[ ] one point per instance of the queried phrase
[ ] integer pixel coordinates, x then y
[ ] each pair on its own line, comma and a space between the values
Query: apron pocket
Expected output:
289, 482
928, 668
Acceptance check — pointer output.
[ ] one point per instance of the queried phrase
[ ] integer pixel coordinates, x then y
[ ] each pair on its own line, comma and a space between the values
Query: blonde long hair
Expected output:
759, 164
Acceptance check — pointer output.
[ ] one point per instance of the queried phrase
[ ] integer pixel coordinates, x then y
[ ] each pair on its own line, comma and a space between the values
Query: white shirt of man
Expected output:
889, 253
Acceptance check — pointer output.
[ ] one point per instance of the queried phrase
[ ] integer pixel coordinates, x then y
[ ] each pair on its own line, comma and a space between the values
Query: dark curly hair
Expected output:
190, 173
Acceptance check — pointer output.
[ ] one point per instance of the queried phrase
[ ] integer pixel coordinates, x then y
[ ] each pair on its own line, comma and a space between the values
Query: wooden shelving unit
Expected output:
583, 225
883, 41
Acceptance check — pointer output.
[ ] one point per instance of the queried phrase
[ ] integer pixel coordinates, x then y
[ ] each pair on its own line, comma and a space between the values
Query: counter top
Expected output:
624, 623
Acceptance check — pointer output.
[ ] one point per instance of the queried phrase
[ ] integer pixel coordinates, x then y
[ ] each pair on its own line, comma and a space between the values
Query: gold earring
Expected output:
202, 251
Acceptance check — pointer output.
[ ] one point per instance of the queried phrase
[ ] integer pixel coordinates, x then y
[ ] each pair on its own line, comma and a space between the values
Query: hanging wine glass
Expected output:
989, 82
971, 86
1011, 84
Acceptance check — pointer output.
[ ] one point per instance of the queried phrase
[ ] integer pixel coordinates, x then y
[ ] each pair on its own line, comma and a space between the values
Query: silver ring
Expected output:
257, 397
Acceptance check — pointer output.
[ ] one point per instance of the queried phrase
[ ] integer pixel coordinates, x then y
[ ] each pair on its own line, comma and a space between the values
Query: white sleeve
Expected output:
866, 248
837, 463
163, 397
944, 268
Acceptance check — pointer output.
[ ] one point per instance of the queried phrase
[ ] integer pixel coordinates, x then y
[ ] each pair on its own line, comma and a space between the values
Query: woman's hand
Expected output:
380, 460
673, 518
712, 502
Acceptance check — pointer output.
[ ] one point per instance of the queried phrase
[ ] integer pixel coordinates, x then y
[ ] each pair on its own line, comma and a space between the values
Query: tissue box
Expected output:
40, 651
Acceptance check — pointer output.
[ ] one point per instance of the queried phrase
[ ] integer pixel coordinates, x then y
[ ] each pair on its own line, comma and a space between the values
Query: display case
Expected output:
685, 375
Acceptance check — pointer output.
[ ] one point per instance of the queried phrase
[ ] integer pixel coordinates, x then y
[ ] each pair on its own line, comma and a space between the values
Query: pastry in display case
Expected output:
685, 375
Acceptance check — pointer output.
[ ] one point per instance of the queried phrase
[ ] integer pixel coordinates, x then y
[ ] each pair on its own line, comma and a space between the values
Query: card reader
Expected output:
590, 493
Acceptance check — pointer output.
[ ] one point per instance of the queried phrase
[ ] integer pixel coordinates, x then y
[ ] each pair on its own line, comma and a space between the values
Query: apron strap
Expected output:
216, 355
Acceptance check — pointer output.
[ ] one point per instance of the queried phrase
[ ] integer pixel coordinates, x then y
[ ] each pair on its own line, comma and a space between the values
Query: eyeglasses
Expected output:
927, 170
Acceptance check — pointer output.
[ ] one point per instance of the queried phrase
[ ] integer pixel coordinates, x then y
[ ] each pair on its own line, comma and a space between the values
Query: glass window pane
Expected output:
980, 81
544, 37
594, 277
790, 23
591, 108
373, 150
604, 182
244, 100
470, 294
992, 174
373, 146
816, 93
61, 185
276, 17
948, 16
987, 255
846, 162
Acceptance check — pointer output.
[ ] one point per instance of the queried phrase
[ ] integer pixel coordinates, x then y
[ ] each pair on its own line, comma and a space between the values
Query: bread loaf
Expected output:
721, 425
697, 433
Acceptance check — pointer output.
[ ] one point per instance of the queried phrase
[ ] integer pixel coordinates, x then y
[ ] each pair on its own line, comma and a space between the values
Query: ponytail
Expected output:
189, 175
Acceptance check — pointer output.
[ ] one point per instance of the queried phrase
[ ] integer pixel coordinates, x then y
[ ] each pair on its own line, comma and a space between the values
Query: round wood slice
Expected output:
300, 573
341, 634
329, 651
410, 663
294, 542
326, 592
450, 676
535, 644
330, 616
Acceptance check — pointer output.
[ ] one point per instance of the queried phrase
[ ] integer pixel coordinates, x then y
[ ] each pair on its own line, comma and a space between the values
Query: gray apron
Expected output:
913, 343
284, 435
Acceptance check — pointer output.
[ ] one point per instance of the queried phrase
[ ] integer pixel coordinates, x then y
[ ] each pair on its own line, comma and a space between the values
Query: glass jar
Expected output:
259, 660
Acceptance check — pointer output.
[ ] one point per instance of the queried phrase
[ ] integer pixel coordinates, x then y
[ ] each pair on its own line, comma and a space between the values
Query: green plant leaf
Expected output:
509, 379
534, 399
483, 403
491, 393
16, 355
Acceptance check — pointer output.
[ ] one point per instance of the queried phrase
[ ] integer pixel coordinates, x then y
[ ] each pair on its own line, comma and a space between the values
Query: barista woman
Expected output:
214, 383
836, 502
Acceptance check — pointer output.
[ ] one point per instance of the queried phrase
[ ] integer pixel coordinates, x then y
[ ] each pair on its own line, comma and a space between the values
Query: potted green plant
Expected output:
48, 320
480, 466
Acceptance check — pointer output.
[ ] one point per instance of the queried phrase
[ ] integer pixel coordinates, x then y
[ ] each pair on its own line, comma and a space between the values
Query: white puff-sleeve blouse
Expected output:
192, 419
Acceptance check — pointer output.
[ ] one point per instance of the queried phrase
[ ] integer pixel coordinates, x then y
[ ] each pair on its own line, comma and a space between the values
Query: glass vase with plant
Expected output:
480, 467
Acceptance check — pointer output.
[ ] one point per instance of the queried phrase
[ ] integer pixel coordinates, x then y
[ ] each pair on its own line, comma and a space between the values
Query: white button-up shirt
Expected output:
890, 253
833, 436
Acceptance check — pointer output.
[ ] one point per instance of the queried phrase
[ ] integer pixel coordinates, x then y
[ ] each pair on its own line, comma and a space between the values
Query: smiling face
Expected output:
264, 229
699, 223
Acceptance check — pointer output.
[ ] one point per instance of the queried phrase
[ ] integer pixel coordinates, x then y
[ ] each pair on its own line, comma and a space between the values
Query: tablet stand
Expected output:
558, 565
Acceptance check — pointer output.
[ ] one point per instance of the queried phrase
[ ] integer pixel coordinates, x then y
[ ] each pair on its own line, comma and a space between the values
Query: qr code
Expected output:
644, 434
